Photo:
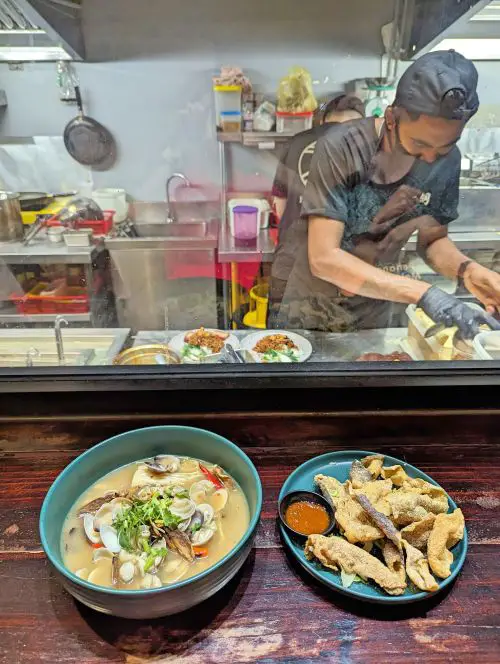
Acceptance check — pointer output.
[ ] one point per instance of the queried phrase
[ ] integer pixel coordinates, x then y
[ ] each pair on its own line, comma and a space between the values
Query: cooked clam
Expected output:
218, 499
199, 491
109, 538
101, 575
204, 534
104, 515
127, 572
184, 508
88, 526
92, 506
164, 464
101, 553
207, 513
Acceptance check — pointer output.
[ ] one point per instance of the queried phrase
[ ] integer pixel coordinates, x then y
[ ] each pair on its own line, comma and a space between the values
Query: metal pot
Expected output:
11, 222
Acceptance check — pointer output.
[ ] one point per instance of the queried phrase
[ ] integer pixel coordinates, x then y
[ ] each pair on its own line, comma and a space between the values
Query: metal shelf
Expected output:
43, 318
255, 139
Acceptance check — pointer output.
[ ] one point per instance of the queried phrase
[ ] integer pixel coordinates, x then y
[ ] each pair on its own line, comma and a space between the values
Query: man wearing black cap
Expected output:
372, 184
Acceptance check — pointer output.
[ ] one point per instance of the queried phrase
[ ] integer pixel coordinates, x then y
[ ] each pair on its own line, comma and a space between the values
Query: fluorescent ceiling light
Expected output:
490, 13
474, 49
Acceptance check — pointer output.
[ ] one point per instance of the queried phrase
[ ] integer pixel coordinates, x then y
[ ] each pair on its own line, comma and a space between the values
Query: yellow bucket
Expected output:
257, 314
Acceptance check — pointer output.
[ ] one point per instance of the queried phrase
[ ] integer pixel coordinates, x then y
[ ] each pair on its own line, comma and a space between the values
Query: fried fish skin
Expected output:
394, 559
432, 498
373, 464
349, 515
380, 520
334, 552
395, 473
417, 533
331, 488
447, 531
405, 507
356, 524
359, 475
417, 568
377, 491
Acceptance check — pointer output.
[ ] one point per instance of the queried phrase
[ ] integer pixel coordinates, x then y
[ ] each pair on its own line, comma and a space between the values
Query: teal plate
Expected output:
338, 464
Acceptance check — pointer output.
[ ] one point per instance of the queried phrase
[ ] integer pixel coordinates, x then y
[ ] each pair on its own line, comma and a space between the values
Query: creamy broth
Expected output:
228, 525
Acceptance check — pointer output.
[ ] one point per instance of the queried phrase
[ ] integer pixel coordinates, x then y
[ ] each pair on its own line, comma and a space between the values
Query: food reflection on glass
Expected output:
201, 343
155, 522
277, 348
396, 356
393, 530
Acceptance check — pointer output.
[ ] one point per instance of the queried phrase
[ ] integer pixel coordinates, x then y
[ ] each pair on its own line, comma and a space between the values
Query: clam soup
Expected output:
154, 522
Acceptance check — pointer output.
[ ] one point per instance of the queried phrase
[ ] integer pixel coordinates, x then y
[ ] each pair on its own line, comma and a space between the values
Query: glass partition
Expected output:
335, 203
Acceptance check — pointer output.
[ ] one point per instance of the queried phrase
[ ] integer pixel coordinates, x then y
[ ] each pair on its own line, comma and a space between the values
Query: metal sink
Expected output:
193, 228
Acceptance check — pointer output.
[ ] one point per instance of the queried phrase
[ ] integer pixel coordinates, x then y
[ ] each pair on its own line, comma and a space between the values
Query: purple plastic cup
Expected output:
246, 223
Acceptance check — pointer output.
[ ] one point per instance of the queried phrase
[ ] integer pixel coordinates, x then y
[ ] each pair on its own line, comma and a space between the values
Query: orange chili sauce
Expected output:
307, 518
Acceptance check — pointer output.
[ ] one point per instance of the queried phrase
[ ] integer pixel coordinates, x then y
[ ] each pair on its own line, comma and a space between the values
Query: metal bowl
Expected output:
148, 354
126, 448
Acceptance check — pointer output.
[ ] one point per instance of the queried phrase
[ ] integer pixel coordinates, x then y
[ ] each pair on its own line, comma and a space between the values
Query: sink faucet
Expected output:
171, 219
59, 320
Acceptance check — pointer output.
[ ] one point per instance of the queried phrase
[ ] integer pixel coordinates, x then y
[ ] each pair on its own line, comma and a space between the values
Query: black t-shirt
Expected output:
340, 187
289, 183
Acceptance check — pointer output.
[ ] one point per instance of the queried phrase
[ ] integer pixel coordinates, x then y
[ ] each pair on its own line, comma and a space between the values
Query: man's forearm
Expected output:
352, 274
444, 257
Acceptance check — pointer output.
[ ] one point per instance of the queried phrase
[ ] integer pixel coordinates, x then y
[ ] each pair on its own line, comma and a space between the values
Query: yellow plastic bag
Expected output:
295, 93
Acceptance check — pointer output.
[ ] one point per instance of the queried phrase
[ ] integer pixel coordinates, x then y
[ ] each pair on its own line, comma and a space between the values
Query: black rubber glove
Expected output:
448, 310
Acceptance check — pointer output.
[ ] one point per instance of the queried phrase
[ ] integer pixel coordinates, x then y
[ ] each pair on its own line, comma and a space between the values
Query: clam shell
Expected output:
218, 499
207, 512
99, 554
204, 534
184, 508
88, 526
127, 572
104, 515
109, 538
101, 574
199, 491
169, 462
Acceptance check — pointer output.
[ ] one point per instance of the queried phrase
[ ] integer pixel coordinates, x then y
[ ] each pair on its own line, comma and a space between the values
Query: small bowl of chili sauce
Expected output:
306, 513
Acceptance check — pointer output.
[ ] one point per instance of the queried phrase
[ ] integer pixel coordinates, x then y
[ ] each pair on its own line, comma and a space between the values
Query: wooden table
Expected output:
272, 612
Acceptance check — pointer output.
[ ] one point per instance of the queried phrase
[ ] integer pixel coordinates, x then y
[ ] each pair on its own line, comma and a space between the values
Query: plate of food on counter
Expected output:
372, 527
275, 346
202, 345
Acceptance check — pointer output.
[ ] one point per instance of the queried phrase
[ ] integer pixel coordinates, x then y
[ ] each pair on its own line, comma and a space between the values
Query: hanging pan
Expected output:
88, 141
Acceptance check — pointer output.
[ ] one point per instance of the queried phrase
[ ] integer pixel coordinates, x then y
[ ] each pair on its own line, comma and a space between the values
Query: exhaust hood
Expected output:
40, 30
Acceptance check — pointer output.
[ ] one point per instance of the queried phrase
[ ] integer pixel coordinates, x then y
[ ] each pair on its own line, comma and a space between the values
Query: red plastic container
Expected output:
62, 300
101, 227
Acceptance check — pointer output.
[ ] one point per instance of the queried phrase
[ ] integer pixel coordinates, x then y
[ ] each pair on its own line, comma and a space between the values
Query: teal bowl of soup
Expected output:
119, 529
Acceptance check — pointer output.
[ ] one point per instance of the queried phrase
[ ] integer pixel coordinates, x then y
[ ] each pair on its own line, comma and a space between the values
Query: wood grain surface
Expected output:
273, 611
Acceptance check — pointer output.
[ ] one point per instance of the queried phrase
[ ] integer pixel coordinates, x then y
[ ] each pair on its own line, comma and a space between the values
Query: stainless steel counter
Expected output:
230, 252
42, 252
327, 347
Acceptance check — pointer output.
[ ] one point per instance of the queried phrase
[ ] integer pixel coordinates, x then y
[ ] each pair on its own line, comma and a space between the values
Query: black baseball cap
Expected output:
442, 84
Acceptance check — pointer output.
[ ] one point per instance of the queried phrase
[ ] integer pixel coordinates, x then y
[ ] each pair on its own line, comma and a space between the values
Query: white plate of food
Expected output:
277, 346
202, 345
